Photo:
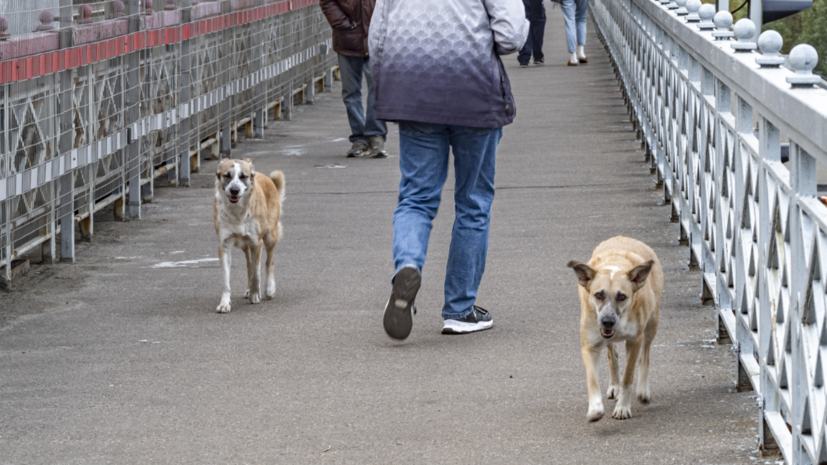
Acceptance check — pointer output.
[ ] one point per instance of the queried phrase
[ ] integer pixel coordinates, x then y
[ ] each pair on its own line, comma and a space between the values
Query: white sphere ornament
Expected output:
722, 20
706, 13
770, 43
803, 58
744, 31
693, 6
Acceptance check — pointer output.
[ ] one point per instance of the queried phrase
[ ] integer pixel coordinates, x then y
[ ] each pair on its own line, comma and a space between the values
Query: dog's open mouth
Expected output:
607, 333
234, 199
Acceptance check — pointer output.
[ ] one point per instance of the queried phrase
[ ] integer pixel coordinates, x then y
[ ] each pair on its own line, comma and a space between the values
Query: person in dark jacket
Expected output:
350, 20
535, 12
438, 73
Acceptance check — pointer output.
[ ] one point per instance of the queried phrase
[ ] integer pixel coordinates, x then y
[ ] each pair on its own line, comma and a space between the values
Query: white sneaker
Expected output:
478, 320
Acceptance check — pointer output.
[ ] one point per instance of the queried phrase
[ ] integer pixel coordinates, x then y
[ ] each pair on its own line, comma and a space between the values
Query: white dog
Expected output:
247, 212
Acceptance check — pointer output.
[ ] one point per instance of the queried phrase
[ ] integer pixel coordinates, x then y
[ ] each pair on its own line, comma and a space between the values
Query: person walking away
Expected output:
439, 75
350, 20
535, 12
574, 15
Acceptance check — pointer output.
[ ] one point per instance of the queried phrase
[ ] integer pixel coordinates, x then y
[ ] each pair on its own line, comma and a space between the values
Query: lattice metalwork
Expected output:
713, 124
93, 112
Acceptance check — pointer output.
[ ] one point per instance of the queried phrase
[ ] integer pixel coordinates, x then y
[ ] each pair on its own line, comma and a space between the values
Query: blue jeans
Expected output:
535, 12
574, 13
363, 125
423, 161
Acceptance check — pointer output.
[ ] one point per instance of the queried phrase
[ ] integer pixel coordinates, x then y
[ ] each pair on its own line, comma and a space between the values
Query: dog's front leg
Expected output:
591, 357
254, 272
614, 378
623, 409
225, 258
249, 272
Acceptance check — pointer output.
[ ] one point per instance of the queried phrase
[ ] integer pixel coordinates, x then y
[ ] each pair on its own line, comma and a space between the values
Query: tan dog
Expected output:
620, 290
247, 212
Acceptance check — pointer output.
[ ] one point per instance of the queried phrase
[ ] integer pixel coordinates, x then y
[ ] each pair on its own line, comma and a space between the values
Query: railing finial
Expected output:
744, 31
46, 17
803, 58
682, 11
722, 20
85, 13
117, 7
693, 7
770, 43
706, 13
4, 27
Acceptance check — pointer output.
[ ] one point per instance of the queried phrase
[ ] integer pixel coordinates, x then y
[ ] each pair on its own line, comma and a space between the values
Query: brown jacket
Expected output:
350, 20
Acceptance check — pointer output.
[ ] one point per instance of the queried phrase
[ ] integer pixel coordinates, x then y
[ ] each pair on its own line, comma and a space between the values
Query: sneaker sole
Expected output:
461, 327
398, 317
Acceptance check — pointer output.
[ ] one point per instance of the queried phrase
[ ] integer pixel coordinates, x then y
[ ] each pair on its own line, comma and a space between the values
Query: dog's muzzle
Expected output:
607, 325
234, 195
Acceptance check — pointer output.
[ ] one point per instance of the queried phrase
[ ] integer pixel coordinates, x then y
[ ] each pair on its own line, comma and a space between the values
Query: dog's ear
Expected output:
218, 172
638, 274
584, 272
248, 161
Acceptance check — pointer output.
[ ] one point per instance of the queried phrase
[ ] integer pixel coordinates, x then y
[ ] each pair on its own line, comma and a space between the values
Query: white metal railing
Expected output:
714, 124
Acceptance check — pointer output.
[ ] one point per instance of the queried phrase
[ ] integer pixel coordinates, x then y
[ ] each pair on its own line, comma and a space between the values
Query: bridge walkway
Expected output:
120, 357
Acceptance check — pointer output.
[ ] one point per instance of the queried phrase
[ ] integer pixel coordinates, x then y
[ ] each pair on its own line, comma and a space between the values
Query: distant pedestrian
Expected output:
350, 20
439, 75
574, 15
535, 12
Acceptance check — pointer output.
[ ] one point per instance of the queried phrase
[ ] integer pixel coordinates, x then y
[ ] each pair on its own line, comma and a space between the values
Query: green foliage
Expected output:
807, 27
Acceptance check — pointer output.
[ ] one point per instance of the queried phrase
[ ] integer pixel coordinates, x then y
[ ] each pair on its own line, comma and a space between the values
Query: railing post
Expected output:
133, 113
66, 212
259, 101
769, 149
185, 123
803, 183
225, 107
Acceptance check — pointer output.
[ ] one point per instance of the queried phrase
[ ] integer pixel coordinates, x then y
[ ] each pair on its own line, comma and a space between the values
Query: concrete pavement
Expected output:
121, 358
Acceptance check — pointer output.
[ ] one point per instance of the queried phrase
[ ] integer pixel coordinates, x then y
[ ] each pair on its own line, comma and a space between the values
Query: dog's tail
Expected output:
278, 179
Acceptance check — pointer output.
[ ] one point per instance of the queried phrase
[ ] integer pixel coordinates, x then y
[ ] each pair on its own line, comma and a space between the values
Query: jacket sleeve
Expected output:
508, 23
378, 29
335, 16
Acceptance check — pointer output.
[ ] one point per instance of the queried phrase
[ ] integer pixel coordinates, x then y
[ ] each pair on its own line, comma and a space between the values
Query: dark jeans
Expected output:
363, 124
535, 12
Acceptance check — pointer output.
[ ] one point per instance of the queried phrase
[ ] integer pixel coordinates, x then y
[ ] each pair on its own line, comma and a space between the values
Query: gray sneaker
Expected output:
359, 149
377, 147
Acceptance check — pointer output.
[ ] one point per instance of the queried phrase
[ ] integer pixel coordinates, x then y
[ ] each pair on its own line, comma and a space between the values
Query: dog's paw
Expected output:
271, 290
595, 414
247, 294
622, 413
255, 298
223, 308
613, 392
644, 395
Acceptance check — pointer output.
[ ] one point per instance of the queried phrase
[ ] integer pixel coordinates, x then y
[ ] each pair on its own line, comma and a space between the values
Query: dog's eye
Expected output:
242, 176
227, 175
600, 296
620, 297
